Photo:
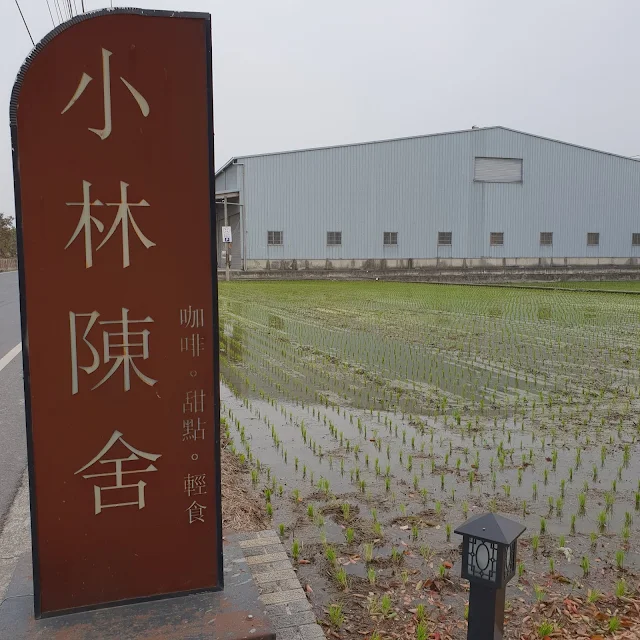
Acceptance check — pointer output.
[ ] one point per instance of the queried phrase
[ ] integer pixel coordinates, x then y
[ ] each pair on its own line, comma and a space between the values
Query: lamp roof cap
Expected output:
492, 527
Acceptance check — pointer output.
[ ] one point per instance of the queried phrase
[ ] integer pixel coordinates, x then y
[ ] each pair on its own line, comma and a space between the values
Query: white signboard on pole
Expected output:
226, 234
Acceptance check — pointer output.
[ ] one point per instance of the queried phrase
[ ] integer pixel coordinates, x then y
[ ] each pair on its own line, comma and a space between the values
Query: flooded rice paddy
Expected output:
376, 417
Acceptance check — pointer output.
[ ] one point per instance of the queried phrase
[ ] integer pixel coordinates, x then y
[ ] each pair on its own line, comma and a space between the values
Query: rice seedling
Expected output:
582, 502
386, 605
330, 554
535, 543
593, 595
426, 552
584, 565
336, 617
342, 579
396, 556
422, 632
368, 552
602, 520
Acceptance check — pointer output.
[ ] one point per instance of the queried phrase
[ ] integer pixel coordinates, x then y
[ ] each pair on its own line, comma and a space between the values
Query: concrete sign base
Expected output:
233, 614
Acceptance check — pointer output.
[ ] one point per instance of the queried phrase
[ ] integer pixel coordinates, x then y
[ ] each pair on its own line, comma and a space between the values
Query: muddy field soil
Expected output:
377, 418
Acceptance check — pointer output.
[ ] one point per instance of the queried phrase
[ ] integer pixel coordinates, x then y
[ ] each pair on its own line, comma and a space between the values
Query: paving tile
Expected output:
290, 620
281, 597
288, 634
277, 565
259, 542
299, 605
311, 632
272, 576
279, 585
254, 551
267, 557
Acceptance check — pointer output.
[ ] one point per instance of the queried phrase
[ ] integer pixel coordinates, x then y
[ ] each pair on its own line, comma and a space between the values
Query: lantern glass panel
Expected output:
482, 559
510, 561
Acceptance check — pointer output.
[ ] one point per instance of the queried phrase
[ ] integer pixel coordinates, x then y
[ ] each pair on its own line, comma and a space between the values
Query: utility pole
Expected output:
226, 244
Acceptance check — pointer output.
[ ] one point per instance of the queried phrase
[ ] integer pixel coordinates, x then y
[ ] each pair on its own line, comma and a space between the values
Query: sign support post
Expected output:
226, 244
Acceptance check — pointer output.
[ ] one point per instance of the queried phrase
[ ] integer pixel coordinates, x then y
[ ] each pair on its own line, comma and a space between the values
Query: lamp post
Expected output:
489, 551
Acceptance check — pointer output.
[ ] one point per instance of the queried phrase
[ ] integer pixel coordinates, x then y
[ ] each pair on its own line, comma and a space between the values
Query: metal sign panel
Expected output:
226, 234
112, 132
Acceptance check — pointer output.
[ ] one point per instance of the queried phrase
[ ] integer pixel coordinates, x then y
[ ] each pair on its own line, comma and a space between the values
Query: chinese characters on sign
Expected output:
117, 345
124, 217
105, 132
113, 139
192, 425
118, 473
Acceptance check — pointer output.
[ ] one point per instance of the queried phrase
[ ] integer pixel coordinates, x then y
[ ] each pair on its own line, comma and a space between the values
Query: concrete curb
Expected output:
285, 601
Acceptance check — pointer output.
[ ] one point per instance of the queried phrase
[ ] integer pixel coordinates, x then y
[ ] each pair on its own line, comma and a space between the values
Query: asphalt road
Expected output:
13, 447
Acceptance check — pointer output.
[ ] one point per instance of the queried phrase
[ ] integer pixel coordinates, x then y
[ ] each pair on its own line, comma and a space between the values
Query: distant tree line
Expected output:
8, 244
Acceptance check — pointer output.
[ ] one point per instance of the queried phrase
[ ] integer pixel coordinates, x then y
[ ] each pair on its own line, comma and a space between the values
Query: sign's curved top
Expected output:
89, 15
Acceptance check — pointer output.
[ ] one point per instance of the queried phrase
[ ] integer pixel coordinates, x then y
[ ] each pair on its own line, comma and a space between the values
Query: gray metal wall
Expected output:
420, 186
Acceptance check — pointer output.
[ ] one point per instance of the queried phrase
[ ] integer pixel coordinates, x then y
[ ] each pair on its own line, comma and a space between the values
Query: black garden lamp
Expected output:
489, 550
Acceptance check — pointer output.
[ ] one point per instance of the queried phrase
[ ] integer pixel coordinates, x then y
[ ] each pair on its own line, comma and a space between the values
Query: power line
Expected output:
25, 23
58, 13
53, 22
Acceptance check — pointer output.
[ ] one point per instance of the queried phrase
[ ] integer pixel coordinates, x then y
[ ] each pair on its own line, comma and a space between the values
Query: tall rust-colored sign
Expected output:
113, 157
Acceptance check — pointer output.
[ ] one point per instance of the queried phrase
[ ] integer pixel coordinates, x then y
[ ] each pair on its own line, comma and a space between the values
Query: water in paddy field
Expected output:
421, 405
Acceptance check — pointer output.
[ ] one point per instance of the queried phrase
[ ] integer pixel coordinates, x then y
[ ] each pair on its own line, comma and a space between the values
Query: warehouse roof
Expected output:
427, 135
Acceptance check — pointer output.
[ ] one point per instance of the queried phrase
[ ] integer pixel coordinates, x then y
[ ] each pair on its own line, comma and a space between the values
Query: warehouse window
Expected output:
334, 237
444, 238
390, 237
593, 239
274, 237
497, 170
635, 239
546, 238
496, 239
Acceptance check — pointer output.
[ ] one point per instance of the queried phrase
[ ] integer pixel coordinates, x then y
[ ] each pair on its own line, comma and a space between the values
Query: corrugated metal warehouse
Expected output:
480, 197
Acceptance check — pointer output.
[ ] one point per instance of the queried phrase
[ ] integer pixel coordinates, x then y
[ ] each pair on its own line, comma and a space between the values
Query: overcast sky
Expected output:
301, 73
